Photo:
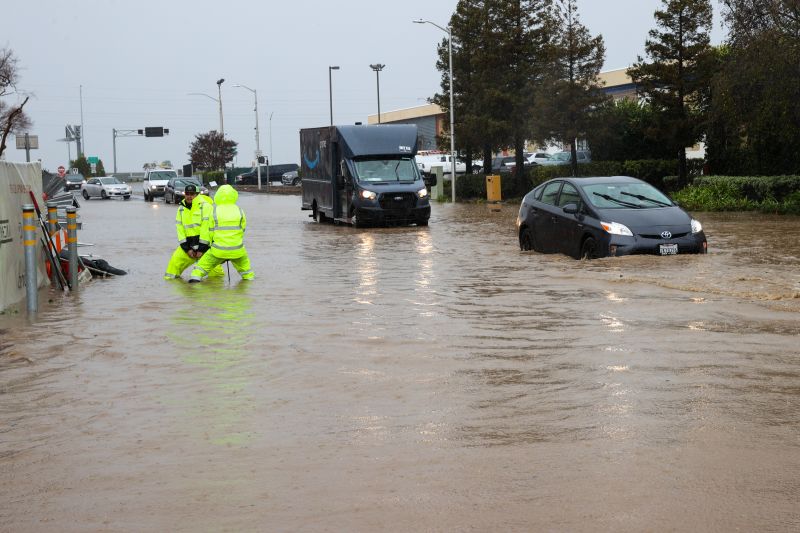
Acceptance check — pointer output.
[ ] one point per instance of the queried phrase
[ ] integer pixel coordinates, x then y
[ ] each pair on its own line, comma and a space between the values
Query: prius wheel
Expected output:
527, 242
103, 195
589, 248
85, 195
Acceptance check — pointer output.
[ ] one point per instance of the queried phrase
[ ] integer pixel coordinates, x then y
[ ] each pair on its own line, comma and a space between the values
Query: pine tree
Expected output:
572, 90
676, 79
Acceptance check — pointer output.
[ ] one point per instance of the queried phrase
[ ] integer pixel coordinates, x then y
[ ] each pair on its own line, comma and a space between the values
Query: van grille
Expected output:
399, 200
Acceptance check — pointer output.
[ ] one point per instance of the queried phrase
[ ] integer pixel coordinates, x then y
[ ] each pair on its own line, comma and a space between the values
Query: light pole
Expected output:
270, 137
377, 67
258, 143
212, 98
219, 91
330, 89
452, 121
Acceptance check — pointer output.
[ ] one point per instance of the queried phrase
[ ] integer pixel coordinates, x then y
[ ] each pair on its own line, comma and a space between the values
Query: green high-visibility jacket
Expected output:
226, 226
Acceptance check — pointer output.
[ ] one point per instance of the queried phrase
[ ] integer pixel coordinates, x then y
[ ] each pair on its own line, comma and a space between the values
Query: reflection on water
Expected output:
214, 332
409, 379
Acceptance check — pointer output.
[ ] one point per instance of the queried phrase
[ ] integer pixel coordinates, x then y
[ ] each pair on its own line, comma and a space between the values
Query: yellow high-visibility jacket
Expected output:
224, 231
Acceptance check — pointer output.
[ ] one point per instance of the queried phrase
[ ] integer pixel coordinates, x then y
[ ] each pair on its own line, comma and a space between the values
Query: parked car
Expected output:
73, 182
291, 178
268, 172
155, 181
563, 158
107, 187
540, 158
173, 191
608, 216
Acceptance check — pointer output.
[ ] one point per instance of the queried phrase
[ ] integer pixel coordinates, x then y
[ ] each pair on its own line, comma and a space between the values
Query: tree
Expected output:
12, 117
676, 79
211, 151
497, 60
621, 131
82, 164
753, 110
572, 89
528, 28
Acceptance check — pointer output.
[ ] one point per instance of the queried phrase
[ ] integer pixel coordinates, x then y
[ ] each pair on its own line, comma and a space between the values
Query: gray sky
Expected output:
138, 60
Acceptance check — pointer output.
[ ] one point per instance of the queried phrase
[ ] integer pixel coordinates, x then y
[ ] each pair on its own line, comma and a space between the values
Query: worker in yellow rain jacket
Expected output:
191, 212
223, 237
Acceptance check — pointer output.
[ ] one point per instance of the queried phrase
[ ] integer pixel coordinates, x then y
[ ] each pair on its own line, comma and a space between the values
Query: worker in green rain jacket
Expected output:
222, 237
191, 212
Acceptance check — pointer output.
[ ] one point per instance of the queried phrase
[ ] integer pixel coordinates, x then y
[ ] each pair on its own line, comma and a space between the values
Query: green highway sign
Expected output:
93, 160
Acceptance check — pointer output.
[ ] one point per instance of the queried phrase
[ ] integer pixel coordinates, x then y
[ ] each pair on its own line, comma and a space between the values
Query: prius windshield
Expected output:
625, 195
400, 169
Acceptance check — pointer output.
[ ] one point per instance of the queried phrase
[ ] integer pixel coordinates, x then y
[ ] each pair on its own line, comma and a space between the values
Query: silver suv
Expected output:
155, 181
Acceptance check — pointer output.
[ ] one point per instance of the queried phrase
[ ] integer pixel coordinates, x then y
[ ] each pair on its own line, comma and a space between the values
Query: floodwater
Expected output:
407, 379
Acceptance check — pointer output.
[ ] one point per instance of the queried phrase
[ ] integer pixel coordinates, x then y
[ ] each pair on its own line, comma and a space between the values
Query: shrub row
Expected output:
768, 194
517, 184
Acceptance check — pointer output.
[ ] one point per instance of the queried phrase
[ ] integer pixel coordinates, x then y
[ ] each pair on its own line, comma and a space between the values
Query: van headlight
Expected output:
697, 227
422, 193
615, 228
368, 195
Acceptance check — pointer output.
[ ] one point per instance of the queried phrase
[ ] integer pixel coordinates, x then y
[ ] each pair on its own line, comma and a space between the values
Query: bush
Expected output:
213, 175
768, 194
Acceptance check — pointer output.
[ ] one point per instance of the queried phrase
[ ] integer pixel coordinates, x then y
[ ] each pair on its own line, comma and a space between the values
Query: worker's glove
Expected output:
202, 248
185, 246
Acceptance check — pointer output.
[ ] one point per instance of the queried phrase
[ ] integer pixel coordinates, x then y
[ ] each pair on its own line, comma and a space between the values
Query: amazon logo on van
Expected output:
311, 164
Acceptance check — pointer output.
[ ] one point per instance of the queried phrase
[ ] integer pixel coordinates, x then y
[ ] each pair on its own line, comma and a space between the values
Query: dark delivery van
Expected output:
363, 175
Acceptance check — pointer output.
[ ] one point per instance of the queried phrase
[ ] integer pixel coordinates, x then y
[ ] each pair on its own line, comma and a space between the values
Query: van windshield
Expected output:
163, 175
400, 169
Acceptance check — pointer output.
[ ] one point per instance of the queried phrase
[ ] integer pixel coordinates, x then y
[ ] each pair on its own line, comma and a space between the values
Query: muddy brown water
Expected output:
407, 379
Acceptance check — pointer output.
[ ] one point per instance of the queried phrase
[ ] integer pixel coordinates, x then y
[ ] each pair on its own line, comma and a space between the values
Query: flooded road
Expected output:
407, 379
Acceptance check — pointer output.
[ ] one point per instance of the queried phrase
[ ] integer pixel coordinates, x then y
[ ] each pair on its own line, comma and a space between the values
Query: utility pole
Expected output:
82, 144
330, 90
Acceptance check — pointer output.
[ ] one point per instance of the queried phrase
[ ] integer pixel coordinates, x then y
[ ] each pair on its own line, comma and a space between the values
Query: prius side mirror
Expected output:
571, 209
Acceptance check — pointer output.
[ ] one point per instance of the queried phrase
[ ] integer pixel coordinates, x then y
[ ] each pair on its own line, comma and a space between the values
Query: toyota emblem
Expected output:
666, 235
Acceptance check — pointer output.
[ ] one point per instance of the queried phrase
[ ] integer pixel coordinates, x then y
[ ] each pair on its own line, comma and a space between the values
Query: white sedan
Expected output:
104, 188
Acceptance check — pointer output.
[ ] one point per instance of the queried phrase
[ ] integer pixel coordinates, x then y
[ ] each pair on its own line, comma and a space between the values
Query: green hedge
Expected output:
515, 185
768, 194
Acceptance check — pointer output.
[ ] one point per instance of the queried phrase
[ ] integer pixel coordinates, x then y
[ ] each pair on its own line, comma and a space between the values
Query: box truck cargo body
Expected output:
363, 175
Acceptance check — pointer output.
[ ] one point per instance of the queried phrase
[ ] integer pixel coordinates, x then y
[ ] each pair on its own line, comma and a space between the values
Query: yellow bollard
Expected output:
493, 191
29, 242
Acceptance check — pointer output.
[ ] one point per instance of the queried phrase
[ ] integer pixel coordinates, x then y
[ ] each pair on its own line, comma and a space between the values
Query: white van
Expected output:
155, 182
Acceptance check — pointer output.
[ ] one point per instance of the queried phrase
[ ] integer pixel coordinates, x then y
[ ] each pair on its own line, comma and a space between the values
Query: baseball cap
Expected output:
190, 188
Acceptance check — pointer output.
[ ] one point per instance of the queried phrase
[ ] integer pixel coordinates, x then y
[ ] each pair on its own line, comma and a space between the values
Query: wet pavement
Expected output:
407, 379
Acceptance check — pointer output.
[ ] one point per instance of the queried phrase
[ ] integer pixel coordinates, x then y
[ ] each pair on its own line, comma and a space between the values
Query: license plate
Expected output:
668, 249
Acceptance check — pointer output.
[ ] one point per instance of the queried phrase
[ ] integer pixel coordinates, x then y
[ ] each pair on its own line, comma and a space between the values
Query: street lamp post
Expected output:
452, 120
330, 89
219, 91
258, 143
377, 67
212, 98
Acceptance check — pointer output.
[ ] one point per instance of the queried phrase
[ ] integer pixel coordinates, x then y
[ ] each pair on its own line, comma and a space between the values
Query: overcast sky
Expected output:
137, 60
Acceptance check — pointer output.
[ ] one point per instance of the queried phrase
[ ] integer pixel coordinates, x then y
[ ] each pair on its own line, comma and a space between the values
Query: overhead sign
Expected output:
93, 160
62, 171
31, 144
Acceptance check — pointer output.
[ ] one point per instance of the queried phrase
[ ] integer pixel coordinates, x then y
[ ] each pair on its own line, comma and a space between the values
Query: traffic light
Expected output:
154, 132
